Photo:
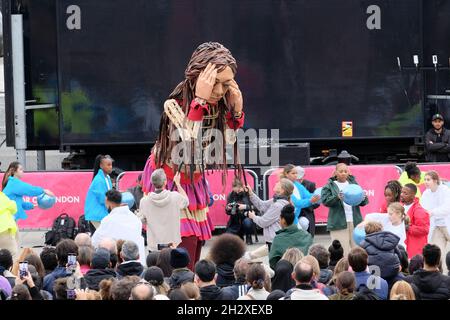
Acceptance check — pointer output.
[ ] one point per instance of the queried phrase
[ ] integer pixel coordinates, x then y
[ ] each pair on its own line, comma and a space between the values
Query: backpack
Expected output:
63, 228
364, 293
83, 225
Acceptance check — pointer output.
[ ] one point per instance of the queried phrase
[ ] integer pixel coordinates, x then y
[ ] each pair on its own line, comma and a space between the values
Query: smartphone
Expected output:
71, 262
23, 269
71, 295
163, 245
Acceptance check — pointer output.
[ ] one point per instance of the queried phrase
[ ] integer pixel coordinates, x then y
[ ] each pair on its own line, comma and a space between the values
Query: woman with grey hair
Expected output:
160, 210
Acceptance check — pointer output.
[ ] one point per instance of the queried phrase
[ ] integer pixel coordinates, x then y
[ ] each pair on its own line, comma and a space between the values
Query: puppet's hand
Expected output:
235, 98
205, 82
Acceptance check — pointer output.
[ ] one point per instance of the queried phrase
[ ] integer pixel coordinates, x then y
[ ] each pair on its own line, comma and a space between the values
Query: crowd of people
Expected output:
402, 254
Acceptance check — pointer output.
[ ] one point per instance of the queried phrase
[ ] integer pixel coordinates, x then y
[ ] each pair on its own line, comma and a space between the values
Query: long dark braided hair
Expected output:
98, 160
396, 189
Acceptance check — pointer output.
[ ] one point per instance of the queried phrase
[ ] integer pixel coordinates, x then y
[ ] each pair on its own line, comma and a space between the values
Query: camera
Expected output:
71, 262
23, 269
163, 246
235, 208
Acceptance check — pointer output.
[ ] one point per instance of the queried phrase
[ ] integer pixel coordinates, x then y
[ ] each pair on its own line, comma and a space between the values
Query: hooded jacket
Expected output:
130, 268
225, 275
180, 276
270, 215
94, 276
213, 292
383, 252
336, 214
161, 212
430, 285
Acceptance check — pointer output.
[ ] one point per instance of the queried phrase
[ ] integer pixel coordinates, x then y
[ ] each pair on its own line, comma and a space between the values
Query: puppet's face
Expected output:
223, 81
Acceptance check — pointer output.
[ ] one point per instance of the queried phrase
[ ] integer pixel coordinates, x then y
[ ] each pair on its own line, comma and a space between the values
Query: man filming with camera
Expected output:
238, 206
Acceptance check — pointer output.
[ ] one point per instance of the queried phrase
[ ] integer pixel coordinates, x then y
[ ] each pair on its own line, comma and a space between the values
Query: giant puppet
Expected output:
200, 115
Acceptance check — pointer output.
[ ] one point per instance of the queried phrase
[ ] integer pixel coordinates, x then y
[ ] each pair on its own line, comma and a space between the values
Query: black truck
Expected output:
335, 74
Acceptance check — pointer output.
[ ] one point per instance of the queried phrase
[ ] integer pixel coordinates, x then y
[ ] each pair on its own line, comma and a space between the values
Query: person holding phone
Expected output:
160, 210
25, 278
207, 102
64, 249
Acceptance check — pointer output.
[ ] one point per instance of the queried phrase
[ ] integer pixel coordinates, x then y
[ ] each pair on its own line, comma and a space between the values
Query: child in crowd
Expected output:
94, 207
341, 217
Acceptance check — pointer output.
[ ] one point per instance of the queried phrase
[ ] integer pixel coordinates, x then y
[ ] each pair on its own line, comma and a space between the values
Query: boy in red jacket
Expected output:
419, 226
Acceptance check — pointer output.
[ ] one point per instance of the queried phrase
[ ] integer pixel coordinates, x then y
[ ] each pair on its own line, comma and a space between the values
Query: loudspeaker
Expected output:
295, 153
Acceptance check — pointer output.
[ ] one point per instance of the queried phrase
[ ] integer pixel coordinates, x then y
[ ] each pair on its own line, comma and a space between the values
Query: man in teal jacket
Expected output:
290, 236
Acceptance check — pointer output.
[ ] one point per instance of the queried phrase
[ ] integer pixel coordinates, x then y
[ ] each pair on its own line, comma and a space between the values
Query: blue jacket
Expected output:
383, 252
303, 202
15, 190
49, 280
94, 207
381, 289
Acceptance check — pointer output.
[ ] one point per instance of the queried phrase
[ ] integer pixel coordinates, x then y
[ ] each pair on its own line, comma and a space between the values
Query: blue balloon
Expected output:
353, 195
318, 192
128, 198
45, 201
359, 234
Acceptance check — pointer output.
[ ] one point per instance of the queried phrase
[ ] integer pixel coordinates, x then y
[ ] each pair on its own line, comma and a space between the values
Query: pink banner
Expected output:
372, 179
214, 178
442, 169
70, 188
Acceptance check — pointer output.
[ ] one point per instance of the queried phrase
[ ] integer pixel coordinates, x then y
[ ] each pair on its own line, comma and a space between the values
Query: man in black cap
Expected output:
437, 141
